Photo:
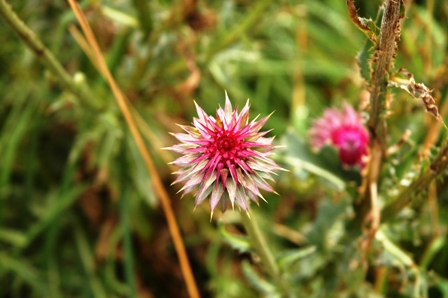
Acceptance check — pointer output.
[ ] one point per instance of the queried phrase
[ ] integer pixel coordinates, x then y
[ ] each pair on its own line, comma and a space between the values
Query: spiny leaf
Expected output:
363, 24
363, 61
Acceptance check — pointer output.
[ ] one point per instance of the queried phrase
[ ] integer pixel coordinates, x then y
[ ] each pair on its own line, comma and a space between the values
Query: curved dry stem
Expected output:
158, 185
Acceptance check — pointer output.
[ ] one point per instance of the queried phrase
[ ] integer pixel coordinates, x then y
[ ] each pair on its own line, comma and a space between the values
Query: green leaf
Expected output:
63, 202
238, 242
22, 270
393, 253
442, 285
258, 282
88, 262
13, 237
19, 124
433, 248
328, 228
299, 156
363, 59
292, 256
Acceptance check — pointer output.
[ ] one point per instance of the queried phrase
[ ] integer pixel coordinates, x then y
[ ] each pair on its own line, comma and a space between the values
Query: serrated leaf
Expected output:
363, 60
367, 26
327, 228
363, 57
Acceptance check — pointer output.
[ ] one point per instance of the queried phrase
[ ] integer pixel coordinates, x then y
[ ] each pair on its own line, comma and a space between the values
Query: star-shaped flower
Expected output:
225, 158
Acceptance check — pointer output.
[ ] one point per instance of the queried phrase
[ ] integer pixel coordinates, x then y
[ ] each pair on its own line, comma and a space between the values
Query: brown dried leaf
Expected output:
360, 22
417, 91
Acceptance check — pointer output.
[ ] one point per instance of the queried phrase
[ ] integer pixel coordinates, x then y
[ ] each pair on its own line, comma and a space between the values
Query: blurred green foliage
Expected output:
78, 216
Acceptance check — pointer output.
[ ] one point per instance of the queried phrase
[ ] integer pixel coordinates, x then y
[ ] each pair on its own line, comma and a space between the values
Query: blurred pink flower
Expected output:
225, 158
343, 130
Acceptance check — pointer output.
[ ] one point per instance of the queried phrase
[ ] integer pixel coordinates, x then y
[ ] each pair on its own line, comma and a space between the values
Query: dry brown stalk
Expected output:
158, 185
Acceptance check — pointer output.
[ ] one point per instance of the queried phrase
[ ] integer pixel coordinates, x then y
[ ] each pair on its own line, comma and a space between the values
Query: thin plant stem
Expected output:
438, 166
144, 16
298, 107
433, 207
261, 246
157, 182
46, 56
429, 37
381, 281
83, 44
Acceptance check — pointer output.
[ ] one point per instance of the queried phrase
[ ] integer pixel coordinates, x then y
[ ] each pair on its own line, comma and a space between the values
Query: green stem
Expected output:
437, 167
262, 248
144, 16
45, 55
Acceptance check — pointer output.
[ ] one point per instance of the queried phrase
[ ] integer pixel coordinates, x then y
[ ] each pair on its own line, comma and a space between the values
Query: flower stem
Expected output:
260, 244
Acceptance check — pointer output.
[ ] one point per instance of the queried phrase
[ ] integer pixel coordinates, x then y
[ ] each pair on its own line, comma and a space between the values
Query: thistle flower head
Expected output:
225, 158
343, 130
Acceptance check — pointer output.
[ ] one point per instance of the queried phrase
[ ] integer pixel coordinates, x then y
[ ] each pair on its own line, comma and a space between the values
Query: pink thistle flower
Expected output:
343, 130
225, 158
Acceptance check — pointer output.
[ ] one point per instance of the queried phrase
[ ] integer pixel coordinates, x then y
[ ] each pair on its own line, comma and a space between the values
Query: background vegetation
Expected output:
79, 216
